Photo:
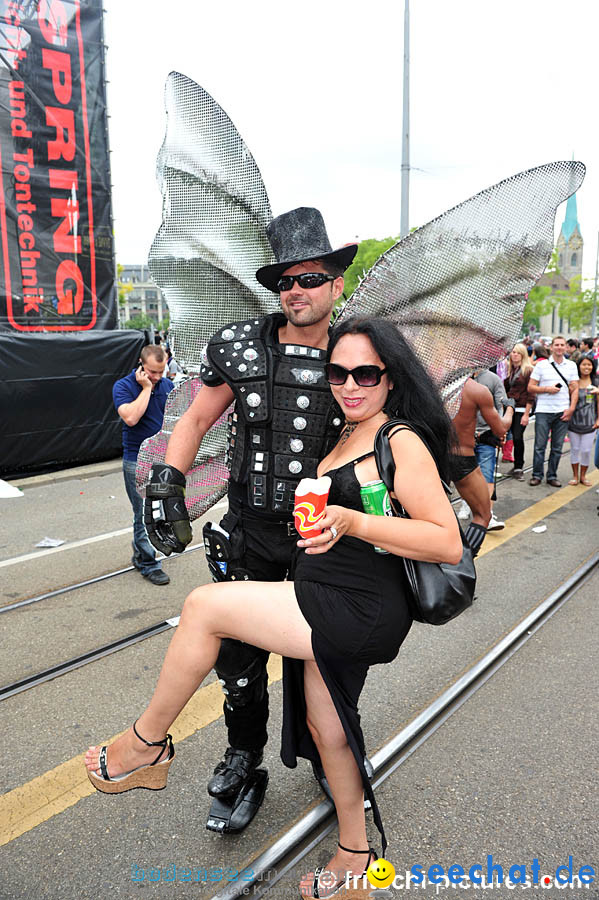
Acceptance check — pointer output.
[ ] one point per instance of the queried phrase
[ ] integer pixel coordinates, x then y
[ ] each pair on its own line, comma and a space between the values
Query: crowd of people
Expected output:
310, 403
565, 407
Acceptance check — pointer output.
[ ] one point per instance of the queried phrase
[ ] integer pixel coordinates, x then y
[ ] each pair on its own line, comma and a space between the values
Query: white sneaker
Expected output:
495, 524
464, 511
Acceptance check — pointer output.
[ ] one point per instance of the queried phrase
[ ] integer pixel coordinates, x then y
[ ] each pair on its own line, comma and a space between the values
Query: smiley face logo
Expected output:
380, 873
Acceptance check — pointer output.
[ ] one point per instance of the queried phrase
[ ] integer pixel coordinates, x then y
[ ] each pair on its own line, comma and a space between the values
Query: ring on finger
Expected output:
333, 531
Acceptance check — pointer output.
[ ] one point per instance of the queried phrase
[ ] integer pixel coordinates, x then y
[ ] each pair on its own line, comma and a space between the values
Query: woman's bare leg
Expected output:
342, 773
265, 614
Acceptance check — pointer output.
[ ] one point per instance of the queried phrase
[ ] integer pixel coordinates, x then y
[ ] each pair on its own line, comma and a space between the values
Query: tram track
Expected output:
9, 607
265, 871
502, 478
42, 677
93, 655
410, 694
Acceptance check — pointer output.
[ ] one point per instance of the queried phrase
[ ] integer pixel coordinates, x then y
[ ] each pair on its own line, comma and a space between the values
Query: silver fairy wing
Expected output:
457, 286
206, 481
204, 258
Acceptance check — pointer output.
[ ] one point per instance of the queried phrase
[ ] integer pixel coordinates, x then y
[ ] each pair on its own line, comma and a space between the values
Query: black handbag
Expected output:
438, 591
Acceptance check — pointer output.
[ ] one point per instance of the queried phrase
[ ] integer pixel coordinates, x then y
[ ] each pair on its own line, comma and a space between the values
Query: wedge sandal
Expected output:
153, 777
355, 893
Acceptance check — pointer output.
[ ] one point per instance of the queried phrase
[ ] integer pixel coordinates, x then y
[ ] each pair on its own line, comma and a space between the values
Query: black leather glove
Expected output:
165, 515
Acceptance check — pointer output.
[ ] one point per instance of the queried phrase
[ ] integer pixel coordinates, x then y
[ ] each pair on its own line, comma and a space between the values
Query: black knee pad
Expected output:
241, 670
224, 550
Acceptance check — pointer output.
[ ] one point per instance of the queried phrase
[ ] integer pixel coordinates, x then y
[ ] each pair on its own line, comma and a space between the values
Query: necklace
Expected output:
349, 429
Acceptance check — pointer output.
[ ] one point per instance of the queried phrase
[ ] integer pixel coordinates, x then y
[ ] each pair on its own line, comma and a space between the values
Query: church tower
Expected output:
570, 243
569, 262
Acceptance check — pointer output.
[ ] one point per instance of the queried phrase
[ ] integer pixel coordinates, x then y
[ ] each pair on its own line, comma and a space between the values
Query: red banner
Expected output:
55, 217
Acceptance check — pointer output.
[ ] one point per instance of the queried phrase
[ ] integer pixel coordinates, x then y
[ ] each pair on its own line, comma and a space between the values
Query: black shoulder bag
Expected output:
439, 591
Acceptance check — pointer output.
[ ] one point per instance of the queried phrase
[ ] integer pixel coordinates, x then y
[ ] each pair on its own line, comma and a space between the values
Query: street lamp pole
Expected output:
405, 145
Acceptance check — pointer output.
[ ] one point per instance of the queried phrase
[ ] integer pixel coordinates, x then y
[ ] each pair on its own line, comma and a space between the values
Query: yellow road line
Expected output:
49, 794
540, 510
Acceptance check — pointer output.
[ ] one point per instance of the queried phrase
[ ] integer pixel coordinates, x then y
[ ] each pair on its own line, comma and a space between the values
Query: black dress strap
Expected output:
361, 458
399, 428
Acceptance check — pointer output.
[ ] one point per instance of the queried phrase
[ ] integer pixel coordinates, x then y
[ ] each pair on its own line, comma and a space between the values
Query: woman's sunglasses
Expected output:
364, 376
306, 280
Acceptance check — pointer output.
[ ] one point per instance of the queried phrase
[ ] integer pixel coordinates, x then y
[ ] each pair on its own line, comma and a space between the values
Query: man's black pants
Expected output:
267, 552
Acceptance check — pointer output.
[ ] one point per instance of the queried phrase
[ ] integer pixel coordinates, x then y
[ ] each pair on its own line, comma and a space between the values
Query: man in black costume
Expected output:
283, 421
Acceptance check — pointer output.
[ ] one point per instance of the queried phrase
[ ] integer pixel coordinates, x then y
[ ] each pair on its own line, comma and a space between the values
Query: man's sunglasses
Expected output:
364, 376
306, 280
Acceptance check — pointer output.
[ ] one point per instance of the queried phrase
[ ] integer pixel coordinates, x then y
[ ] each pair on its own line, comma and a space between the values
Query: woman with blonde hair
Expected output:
516, 386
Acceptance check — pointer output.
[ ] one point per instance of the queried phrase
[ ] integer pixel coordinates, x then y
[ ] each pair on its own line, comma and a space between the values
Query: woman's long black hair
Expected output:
415, 396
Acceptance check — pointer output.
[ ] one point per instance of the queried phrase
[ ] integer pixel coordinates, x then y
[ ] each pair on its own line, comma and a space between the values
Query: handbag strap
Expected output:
560, 374
384, 455
385, 462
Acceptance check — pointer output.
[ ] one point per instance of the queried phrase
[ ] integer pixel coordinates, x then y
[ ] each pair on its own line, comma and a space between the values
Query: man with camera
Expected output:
554, 382
140, 398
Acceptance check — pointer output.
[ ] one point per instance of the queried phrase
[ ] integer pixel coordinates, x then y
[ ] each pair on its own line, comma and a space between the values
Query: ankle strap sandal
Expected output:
372, 854
152, 776
163, 744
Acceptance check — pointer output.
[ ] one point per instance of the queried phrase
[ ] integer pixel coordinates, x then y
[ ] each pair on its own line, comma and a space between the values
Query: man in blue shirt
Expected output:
139, 399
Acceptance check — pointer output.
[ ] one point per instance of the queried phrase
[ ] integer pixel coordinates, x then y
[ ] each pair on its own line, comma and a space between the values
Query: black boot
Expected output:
233, 771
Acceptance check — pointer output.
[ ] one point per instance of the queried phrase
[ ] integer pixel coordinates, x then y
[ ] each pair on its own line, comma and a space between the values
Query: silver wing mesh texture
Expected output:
204, 257
214, 214
206, 481
457, 286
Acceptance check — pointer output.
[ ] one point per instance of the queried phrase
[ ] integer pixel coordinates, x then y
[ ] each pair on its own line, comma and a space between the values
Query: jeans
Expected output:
486, 456
144, 553
267, 552
544, 423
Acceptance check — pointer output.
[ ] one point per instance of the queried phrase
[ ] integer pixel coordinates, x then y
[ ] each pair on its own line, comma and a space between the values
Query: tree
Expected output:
140, 322
123, 289
538, 304
369, 251
575, 305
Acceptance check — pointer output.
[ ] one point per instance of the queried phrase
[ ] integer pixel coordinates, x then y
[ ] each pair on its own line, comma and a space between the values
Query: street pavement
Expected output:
512, 773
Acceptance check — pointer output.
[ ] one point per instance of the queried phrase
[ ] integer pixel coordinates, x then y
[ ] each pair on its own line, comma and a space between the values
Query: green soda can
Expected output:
376, 502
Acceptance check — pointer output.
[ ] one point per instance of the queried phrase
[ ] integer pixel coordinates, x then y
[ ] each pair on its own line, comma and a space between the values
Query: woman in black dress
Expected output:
346, 608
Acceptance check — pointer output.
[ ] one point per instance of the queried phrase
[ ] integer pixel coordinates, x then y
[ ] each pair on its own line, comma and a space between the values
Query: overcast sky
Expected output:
315, 90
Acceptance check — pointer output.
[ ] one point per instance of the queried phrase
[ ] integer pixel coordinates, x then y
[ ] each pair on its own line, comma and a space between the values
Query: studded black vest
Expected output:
284, 419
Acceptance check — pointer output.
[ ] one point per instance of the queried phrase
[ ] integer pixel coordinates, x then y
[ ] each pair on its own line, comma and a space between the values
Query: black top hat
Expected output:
296, 237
